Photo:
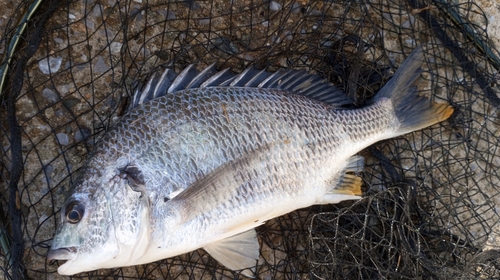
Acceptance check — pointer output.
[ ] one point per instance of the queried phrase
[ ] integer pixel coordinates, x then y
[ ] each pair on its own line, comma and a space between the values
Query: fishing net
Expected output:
430, 197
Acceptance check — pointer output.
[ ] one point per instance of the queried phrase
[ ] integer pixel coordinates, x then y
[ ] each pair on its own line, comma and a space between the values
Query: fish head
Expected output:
104, 223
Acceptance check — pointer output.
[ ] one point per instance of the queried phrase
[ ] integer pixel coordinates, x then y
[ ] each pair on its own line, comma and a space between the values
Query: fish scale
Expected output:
202, 158
324, 130
267, 126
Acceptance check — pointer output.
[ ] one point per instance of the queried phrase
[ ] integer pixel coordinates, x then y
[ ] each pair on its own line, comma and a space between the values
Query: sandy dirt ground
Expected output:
64, 112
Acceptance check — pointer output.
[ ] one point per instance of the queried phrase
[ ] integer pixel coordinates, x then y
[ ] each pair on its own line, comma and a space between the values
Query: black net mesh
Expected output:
430, 198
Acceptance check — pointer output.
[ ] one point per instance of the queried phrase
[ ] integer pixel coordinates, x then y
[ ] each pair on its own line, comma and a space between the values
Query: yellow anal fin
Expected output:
349, 188
349, 184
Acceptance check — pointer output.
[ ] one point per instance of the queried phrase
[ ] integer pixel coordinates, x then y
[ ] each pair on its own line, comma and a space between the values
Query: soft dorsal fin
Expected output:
237, 252
293, 81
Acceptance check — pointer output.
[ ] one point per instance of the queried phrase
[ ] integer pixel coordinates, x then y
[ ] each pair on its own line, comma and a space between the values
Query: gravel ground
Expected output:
86, 65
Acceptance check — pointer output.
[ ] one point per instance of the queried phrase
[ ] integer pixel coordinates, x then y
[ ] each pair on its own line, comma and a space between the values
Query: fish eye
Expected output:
74, 212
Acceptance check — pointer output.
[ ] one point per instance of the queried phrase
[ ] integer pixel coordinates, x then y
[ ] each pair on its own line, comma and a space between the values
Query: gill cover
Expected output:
105, 229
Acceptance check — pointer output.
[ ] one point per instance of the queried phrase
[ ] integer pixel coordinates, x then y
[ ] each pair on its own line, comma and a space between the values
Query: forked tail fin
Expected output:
414, 112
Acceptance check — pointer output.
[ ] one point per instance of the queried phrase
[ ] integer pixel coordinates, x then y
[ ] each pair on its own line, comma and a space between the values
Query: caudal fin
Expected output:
414, 112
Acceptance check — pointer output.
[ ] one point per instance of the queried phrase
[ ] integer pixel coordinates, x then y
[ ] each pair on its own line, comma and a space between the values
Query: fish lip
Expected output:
61, 254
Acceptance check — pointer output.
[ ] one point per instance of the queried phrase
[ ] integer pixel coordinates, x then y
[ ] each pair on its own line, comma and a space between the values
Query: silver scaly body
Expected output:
212, 156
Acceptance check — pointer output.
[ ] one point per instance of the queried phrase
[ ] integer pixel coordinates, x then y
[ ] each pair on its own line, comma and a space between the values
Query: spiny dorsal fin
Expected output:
221, 78
183, 79
250, 77
294, 81
202, 76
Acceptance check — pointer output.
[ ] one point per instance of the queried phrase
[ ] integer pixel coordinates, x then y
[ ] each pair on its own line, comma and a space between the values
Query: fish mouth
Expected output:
61, 254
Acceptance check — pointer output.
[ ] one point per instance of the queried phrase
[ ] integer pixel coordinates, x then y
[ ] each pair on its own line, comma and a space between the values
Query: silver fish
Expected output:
202, 158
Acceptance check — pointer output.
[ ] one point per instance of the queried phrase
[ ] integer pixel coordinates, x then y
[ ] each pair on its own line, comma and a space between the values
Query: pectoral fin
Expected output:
237, 252
349, 185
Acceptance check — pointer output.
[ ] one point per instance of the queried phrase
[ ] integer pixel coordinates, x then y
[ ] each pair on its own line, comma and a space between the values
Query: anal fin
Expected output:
355, 164
349, 185
237, 252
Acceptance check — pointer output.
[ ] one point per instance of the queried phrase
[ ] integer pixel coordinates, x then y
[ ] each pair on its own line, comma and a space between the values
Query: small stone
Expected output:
162, 55
115, 48
82, 134
70, 102
89, 23
68, 64
315, 12
105, 32
97, 11
49, 169
169, 15
406, 24
26, 108
59, 41
275, 6
62, 138
192, 4
226, 45
410, 42
296, 8
135, 12
49, 112
100, 66
42, 219
50, 95
205, 21
64, 89
249, 57
145, 52
50, 64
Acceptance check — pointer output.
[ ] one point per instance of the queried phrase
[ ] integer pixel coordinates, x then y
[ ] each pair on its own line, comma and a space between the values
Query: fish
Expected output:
202, 158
